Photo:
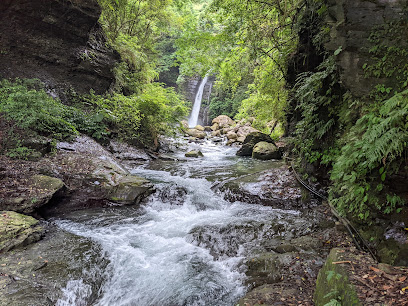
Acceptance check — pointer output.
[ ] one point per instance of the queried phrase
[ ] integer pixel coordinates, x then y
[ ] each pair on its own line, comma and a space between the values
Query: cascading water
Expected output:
186, 245
192, 121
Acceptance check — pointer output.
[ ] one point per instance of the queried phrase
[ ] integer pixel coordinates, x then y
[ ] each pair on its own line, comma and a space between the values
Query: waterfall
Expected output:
192, 121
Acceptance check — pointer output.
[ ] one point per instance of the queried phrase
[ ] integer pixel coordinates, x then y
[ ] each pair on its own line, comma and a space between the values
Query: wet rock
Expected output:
130, 189
199, 128
250, 141
196, 133
194, 153
215, 127
241, 139
208, 128
18, 230
40, 190
231, 141
223, 121
36, 274
265, 151
275, 187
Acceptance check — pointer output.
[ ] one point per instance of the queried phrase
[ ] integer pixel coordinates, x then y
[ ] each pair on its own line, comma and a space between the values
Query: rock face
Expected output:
18, 230
250, 141
351, 22
265, 150
42, 189
58, 42
93, 175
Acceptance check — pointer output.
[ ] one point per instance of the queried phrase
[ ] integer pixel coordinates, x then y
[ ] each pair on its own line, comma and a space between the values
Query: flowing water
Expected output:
186, 245
192, 121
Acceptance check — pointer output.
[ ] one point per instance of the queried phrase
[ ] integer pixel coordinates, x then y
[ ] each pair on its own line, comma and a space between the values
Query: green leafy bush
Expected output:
21, 153
31, 108
372, 152
141, 117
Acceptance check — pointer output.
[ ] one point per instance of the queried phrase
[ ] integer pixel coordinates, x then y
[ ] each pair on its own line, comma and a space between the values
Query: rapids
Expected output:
185, 245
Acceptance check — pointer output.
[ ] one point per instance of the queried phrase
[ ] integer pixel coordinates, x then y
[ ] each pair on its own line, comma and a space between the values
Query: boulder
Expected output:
250, 141
231, 135
241, 139
194, 153
130, 189
184, 124
215, 127
223, 121
243, 131
208, 128
216, 133
39, 191
199, 128
225, 130
230, 142
266, 150
196, 133
18, 230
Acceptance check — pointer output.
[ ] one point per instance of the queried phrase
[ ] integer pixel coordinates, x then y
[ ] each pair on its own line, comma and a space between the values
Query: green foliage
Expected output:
20, 153
32, 109
389, 53
139, 118
319, 103
372, 152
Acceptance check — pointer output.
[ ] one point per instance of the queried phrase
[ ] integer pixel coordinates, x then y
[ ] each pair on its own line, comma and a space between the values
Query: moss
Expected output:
333, 283
17, 230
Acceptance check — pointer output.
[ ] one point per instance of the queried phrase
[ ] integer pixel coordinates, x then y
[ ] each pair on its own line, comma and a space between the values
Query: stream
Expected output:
184, 245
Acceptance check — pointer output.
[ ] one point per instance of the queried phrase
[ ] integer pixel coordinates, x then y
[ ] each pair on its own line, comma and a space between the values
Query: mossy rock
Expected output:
41, 189
130, 189
265, 150
18, 230
333, 283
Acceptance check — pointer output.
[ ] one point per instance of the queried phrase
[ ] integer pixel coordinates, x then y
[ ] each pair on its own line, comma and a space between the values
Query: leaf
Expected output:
403, 289
337, 52
375, 269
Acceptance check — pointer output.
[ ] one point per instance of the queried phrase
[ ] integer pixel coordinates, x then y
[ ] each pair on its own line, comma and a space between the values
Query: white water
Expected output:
185, 246
192, 121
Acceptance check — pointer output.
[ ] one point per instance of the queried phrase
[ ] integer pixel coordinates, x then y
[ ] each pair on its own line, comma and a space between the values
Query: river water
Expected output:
185, 245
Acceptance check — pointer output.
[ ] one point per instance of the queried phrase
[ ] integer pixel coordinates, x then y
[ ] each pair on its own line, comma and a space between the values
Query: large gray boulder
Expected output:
223, 121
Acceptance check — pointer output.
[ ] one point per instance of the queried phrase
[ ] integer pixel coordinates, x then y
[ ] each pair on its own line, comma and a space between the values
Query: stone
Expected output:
223, 121
208, 128
41, 189
250, 141
230, 142
130, 189
194, 153
215, 127
265, 151
199, 128
243, 131
196, 133
231, 135
241, 139
216, 133
61, 44
339, 282
18, 230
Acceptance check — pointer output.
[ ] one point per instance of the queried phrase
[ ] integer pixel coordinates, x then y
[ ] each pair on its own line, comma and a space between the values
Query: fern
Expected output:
372, 151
